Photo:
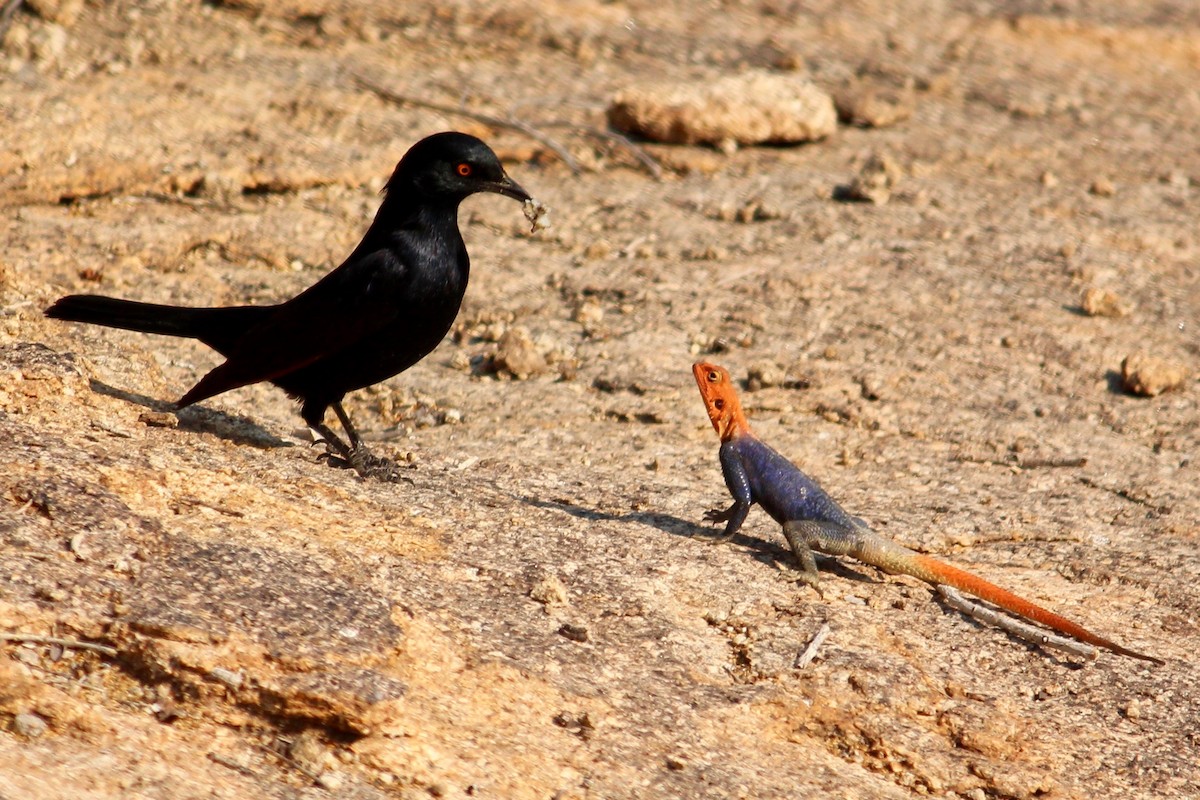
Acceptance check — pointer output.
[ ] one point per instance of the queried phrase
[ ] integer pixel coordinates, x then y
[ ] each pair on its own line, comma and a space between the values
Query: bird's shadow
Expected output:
762, 550
197, 419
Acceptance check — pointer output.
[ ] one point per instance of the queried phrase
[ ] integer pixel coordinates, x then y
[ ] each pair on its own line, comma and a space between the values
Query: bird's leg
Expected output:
337, 452
360, 459
347, 426
332, 442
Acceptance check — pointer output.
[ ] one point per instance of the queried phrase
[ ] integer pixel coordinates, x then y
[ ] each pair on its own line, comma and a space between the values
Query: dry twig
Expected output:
513, 122
644, 158
73, 644
226, 761
810, 652
6, 15
1018, 628
487, 119
1018, 463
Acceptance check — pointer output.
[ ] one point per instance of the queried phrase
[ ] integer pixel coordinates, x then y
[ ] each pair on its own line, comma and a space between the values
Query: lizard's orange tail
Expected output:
940, 572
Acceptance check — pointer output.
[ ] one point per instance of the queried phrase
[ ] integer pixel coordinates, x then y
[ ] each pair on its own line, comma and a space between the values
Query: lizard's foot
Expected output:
368, 466
812, 579
718, 515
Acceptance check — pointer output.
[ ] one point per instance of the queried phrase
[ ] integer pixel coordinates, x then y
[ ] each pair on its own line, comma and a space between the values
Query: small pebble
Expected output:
31, 726
549, 591
576, 633
228, 677
597, 249
30, 657
330, 780
158, 419
874, 183
868, 105
1104, 303
1147, 376
764, 375
309, 752
78, 548
518, 355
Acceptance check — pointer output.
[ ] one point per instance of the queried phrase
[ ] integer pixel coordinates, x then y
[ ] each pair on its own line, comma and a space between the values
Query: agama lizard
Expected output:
812, 520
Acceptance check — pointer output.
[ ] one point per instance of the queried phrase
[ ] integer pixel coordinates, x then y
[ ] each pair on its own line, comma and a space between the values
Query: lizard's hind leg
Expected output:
800, 539
806, 535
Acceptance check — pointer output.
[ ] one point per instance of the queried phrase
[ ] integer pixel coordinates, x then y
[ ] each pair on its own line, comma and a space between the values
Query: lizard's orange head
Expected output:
720, 399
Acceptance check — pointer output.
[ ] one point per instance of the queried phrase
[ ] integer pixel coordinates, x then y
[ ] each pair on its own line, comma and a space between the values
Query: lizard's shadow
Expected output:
762, 550
197, 419
769, 553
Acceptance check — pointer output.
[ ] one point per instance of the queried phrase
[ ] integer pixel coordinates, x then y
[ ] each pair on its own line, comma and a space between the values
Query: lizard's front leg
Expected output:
733, 516
738, 483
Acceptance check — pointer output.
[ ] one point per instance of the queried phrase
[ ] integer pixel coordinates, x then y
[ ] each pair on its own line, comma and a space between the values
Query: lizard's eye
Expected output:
719, 404
713, 376
463, 169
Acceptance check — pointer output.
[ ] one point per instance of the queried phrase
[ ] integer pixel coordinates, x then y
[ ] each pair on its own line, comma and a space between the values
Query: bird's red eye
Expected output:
463, 169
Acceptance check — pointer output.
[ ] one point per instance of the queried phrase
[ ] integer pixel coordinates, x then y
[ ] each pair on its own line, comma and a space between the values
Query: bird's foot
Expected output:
368, 466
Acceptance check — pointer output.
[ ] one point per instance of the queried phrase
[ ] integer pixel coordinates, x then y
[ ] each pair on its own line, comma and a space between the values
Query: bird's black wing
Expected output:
345, 307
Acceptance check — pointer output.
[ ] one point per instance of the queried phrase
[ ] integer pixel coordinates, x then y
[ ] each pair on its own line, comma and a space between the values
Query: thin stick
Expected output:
226, 761
652, 166
487, 119
1125, 494
647, 160
810, 652
1018, 628
1035, 463
74, 644
1016, 462
7, 14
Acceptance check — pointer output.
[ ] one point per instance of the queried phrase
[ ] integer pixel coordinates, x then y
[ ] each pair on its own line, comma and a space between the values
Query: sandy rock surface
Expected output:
537, 613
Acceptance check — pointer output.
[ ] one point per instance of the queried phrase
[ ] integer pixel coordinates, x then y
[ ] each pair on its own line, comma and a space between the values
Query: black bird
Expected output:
384, 309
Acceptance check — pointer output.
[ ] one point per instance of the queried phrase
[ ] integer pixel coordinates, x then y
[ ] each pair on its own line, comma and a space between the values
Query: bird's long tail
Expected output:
934, 571
219, 328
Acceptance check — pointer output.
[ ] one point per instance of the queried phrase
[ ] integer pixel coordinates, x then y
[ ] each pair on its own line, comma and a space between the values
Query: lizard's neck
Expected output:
730, 421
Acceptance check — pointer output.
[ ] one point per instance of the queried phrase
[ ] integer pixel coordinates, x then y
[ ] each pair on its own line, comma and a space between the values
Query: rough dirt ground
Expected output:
286, 630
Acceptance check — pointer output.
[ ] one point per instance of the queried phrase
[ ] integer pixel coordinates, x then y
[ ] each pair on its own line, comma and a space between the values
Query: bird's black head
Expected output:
452, 166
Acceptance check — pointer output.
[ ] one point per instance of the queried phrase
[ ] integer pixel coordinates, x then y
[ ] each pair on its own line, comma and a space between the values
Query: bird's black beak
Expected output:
509, 188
